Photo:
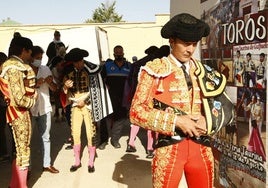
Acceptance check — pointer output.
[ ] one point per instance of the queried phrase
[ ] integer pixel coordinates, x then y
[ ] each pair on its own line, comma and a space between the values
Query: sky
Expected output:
77, 11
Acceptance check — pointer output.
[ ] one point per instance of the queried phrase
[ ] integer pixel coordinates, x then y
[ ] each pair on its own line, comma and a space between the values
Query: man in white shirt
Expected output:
41, 111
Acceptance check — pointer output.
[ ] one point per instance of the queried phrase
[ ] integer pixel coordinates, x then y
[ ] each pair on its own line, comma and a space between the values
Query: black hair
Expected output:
16, 34
17, 44
56, 33
3, 57
118, 46
37, 50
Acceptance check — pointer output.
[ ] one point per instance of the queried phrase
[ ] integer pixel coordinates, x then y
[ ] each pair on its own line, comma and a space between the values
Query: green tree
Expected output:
105, 14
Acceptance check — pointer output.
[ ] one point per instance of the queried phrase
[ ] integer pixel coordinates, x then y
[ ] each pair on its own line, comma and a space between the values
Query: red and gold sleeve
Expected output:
142, 112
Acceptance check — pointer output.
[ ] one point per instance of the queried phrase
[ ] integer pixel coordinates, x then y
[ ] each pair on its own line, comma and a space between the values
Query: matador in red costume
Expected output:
171, 82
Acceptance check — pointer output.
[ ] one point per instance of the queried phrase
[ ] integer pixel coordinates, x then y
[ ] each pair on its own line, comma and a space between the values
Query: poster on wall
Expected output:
238, 47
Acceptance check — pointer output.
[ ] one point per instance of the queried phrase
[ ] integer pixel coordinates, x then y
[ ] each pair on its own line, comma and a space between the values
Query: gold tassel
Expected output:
160, 87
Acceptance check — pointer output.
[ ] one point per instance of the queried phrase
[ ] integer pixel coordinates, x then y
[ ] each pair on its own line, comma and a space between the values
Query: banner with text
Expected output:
237, 47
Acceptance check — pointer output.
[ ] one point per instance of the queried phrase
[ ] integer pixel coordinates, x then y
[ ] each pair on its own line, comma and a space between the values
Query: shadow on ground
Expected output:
130, 165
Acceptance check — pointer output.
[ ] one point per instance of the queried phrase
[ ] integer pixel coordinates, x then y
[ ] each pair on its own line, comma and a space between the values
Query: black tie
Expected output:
187, 77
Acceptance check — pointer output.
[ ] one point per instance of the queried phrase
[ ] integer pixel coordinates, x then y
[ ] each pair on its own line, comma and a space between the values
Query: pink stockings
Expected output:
133, 133
91, 152
19, 176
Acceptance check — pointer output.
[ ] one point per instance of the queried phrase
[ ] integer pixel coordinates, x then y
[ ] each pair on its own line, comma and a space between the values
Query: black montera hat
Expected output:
185, 27
151, 50
76, 54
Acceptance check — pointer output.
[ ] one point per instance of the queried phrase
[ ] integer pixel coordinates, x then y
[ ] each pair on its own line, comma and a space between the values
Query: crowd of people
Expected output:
113, 95
74, 86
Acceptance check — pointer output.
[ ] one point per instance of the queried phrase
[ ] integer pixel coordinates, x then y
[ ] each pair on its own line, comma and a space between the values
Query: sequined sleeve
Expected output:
142, 112
18, 92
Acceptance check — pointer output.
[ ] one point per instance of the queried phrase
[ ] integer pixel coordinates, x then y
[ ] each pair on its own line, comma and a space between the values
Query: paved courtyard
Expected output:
114, 167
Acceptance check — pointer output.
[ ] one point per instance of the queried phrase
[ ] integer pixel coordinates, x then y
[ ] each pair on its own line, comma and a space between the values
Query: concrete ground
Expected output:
114, 168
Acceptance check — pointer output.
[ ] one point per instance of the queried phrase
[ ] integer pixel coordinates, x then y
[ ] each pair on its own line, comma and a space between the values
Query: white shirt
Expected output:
42, 105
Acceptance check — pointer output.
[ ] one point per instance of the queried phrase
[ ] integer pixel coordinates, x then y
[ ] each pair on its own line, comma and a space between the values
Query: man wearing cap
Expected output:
16, 80
172, 81
89, 98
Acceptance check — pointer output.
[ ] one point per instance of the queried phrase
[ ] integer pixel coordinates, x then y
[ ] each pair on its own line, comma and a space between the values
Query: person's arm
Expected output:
247, 107
51, 84
67, 84
142, 112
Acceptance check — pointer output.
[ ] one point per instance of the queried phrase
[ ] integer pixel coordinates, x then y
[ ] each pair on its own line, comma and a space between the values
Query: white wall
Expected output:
134, 37
73, 36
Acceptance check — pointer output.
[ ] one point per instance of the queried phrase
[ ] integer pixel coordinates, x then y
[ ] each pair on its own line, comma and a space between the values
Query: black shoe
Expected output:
74, 167
69, 147
150, 154
130, 148
116, 145
91, 169
103, 145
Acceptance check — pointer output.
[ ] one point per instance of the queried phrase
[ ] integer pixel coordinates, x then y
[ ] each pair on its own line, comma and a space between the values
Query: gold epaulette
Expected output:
158, 67
12, 63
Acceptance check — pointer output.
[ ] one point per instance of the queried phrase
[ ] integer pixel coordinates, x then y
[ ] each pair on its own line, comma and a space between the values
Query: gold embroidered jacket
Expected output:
12, 84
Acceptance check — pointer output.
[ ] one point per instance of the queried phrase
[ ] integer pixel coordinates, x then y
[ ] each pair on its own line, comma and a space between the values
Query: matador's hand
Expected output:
190, 127
201, 123
68, 83
80, 104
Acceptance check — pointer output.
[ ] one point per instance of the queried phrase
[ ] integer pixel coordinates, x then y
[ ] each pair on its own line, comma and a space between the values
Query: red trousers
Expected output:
195, 160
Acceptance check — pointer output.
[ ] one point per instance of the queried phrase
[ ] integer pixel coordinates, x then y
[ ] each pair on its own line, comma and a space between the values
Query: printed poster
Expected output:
238, 47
